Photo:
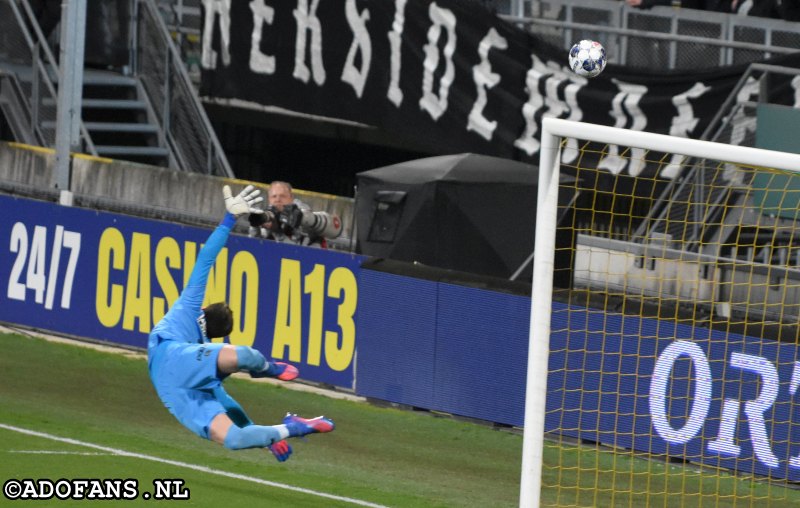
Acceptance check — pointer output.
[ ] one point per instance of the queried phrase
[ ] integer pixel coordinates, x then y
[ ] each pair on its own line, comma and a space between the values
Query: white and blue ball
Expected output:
587, 58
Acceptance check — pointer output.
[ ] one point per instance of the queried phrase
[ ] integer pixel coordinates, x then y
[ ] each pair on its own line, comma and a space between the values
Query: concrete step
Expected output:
104, 103
139, 151
108, 79
140, 128
113, 104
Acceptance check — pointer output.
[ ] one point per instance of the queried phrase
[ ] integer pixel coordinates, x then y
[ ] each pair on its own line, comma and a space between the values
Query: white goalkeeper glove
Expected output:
242, 203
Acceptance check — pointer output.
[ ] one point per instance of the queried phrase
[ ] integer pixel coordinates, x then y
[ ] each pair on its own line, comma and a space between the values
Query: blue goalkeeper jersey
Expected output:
182, 321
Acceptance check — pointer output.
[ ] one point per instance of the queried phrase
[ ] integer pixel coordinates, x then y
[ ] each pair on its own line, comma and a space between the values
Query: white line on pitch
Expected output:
218, 472
54, 452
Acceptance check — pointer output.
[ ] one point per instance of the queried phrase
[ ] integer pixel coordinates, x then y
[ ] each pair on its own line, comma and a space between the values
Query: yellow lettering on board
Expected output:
315, 286
244, 298
217, 280
137, 290
110, 256
189, 259
342, 284
288, 314
168, 256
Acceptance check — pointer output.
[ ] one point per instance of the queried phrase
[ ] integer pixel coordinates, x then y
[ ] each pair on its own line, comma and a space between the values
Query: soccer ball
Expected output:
587, 58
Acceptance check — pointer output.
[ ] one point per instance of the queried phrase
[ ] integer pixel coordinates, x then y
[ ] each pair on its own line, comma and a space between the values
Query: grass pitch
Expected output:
377, 455
68, 411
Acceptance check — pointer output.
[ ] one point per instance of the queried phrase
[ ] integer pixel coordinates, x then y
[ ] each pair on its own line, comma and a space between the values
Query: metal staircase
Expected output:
688, 206
147, 112
697, 200
15, 110
119, 120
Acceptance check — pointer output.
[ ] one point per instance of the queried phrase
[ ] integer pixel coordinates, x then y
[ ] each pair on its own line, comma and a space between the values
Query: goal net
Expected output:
671, 353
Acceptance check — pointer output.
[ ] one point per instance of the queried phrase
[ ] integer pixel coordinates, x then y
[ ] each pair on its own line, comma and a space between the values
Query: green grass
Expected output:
378, 455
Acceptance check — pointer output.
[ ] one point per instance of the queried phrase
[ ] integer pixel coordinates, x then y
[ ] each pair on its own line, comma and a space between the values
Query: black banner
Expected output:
447, 75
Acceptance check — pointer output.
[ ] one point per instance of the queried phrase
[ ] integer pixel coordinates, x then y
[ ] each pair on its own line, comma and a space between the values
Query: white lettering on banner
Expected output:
361, 43
307, 20
725, 442
554, 77
430, 102
557, 106
213, 7
19, 245
34, 254
570, 152
742, 123
259, 62
553, 104
683, 124
36, 278
529, 142
755, 409
552, 89
485, 80
793, 385
395, 93
701, 397
628, 98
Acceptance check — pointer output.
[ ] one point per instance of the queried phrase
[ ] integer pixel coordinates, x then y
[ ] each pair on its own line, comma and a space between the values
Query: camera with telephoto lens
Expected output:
294, 219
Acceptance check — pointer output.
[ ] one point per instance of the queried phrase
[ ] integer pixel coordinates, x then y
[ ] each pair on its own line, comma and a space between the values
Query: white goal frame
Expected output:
553, 130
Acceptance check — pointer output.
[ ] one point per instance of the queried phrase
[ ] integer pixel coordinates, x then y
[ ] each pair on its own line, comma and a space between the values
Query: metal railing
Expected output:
657, 38
734, 123
28, 55
183, 19
15, 106
161, 70
155, 62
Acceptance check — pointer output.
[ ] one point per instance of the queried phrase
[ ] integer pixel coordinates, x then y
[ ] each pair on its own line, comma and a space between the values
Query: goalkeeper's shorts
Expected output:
185, 376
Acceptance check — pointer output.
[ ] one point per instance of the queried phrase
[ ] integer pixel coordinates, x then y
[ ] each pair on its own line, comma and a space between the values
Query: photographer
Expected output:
289, 220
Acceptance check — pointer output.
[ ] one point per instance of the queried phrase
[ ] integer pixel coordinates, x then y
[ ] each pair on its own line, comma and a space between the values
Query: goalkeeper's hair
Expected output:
219, 320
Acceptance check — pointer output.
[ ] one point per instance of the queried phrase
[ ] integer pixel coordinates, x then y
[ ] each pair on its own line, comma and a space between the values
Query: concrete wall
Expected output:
141, 188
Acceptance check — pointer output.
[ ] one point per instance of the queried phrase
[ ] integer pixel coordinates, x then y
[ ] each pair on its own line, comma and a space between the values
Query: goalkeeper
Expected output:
187, 371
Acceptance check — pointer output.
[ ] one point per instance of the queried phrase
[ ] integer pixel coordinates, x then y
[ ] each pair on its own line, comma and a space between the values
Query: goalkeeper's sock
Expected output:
253, 361
254, 436
250, 359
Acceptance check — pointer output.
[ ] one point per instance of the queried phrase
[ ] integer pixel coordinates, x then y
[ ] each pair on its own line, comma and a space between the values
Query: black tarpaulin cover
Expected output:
466, 212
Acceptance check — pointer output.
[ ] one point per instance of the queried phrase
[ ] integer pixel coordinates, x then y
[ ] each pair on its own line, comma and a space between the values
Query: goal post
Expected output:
682, 258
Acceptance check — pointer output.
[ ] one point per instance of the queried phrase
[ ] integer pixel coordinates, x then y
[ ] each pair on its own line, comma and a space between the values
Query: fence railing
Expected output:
734, 124
15, 105
661, 37
27, 53
657, 38
154, 60
161, 70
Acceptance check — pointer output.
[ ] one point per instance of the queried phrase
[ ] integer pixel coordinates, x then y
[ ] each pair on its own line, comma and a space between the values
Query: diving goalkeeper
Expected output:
187, 370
